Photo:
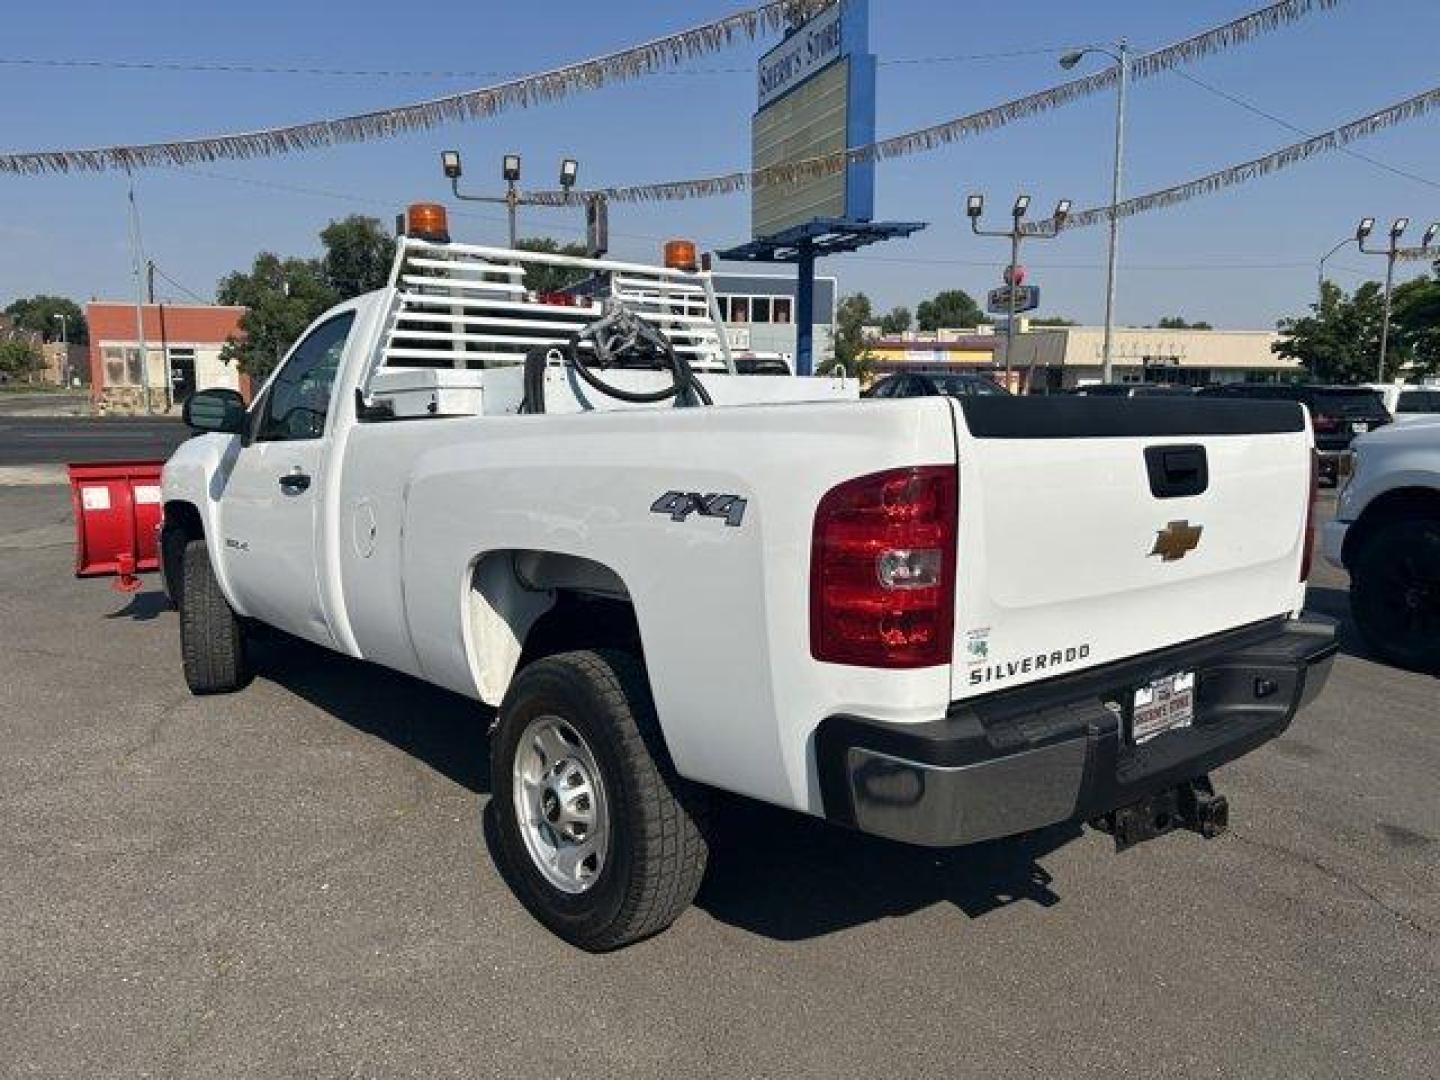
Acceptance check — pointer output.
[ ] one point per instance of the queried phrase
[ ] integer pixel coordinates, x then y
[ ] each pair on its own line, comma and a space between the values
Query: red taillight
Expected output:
1307, 554
1326, 423
882, 570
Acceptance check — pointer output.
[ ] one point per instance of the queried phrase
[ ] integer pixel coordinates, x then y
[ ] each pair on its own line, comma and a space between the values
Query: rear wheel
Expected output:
1395, 592
212, 638
599, 835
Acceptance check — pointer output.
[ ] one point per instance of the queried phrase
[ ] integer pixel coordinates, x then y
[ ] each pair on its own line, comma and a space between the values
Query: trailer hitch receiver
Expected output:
1192, 805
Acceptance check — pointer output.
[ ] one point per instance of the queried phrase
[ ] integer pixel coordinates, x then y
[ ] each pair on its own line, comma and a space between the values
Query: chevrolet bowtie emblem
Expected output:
1177, 540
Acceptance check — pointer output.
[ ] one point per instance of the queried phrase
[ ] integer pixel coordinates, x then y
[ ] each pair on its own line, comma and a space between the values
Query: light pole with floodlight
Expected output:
1121, 56
510, 173
974, 209
1366, 224
1392, 253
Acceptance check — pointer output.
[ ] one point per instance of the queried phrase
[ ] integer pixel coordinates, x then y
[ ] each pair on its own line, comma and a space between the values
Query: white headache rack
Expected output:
462, 306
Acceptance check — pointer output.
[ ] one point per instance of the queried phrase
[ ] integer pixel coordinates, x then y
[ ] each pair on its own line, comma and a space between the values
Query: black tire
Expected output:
1395, 592
656, 852
212, 638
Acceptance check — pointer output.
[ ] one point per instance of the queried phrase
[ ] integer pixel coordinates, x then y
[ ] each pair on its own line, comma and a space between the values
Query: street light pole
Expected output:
1121, 56
1320, 270
64, 348
1393, 252
974, 209
1385, 320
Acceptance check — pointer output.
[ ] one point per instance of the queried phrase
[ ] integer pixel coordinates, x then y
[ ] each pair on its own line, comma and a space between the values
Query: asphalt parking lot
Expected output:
295, 881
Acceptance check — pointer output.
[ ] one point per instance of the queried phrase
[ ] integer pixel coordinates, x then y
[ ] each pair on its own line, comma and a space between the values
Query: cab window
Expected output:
298, 400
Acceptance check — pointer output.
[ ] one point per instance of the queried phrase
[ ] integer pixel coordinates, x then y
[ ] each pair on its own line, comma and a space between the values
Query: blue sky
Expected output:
1242, 258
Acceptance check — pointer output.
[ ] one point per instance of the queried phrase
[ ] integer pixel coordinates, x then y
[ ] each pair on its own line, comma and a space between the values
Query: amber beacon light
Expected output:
427, 221
680, 255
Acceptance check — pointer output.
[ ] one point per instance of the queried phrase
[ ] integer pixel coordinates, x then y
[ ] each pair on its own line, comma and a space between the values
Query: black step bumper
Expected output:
1057, 750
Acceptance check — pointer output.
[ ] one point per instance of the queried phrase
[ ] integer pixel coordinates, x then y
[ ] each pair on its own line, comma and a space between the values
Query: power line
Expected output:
646, 58
1412, 108
254, 68
1307, 264
662, 53
188, 292
1251, 107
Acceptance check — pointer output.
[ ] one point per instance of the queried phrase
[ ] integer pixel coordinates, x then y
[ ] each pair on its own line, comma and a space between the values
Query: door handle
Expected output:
295, 481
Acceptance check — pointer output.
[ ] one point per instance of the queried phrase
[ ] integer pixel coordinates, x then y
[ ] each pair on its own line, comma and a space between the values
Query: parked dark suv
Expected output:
1337, 413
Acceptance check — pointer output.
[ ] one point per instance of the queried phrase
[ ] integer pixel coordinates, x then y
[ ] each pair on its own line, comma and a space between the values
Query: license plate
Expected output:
1164, 705
1359, 429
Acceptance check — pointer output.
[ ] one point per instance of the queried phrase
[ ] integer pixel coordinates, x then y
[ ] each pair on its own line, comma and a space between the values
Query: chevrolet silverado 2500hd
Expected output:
939, 620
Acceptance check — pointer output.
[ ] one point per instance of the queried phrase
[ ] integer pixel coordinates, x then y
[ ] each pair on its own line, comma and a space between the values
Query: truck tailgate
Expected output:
1095, 529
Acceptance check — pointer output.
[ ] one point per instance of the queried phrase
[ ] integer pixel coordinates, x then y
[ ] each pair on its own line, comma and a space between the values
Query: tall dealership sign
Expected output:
816, 96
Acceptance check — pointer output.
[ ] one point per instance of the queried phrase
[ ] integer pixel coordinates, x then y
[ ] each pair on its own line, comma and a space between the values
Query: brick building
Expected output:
182, 345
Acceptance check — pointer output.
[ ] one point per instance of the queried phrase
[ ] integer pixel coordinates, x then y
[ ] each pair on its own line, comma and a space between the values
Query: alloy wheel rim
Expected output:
560, 804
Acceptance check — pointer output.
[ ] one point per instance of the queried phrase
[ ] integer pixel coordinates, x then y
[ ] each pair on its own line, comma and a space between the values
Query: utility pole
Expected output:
150, 281
1014, 273
138, 257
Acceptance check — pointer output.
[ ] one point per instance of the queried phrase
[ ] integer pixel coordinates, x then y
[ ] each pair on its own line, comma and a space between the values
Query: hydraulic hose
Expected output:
617, 332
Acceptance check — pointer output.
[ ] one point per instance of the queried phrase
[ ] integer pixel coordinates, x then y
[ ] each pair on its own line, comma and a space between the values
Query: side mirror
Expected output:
221, 411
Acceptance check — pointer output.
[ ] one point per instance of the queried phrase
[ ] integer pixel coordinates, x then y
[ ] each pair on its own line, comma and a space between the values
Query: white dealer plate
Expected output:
1164, 705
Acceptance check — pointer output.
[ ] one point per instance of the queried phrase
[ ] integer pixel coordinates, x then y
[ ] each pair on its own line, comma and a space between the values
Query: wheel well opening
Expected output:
582, 621
182, 524
1392, 506
524, 605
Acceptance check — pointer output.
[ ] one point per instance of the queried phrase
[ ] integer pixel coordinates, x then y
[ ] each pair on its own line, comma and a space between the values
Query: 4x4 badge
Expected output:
1177, 540
681, 504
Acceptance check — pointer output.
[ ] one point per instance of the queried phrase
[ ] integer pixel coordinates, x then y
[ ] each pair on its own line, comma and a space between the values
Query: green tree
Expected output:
281, 298
358, 255
38, 313
895, 321
1416, 323
852, 315
19, 358
953, 307
1176, 322
1053, 320
1340, 340
546, 279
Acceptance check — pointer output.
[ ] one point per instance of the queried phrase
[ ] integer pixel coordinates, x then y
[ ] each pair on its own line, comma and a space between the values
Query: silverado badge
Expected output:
1177, 540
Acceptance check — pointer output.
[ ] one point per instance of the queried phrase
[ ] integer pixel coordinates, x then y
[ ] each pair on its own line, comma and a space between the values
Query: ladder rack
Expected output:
463, 306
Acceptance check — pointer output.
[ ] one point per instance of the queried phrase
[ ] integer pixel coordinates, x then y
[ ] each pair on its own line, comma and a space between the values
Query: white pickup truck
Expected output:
936, 620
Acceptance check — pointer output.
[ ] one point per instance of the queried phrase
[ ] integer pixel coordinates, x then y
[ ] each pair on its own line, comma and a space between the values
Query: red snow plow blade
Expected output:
117, 514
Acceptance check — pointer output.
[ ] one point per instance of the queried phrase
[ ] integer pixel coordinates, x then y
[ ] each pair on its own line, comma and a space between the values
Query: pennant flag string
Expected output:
1147, 65
1412, 108
626, 64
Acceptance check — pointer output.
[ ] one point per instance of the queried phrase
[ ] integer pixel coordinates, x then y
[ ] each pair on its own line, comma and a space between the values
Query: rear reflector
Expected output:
882, 570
